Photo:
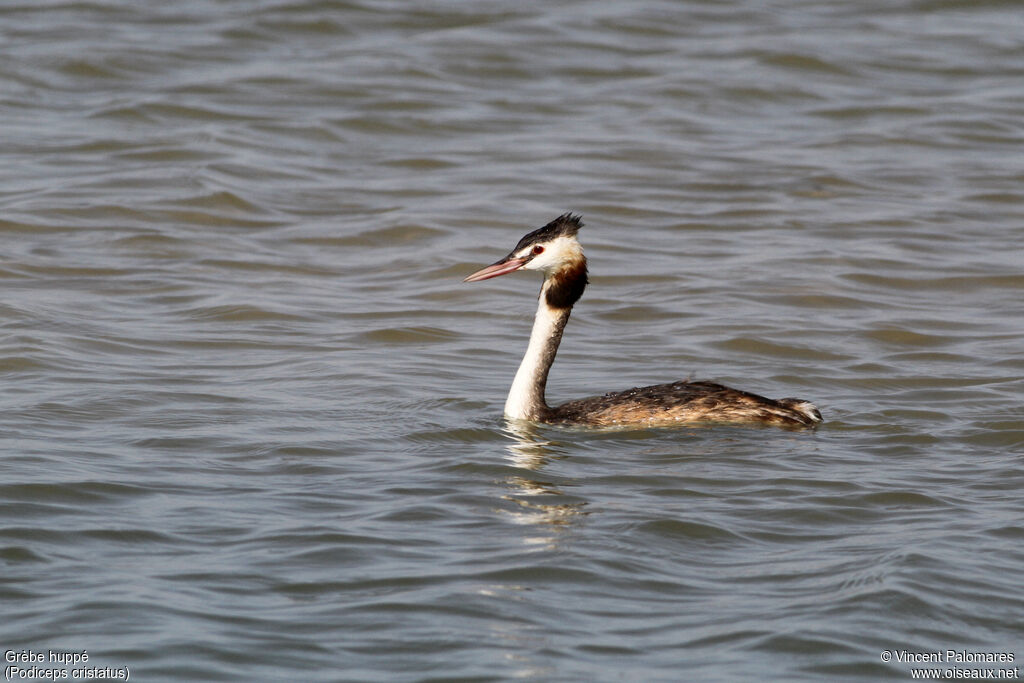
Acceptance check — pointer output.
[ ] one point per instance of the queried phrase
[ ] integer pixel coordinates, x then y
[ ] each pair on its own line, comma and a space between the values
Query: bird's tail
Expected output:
809, 413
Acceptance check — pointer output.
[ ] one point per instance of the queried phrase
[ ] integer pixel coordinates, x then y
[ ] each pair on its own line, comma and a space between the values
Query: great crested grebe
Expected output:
555, 251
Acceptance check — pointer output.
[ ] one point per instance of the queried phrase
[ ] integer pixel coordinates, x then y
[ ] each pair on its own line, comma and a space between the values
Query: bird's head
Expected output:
553, 250
550, 249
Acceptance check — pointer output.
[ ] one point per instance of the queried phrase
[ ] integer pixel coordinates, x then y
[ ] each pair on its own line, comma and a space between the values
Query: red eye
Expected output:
538, 250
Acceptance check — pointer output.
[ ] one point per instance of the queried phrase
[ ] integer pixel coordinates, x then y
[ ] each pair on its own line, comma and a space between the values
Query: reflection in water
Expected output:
545, 508
541, 503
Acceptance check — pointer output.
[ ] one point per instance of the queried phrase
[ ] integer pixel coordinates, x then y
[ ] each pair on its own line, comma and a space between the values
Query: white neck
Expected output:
526, 397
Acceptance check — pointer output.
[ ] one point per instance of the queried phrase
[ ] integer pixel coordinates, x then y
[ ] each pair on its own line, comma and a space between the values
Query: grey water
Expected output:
251, 417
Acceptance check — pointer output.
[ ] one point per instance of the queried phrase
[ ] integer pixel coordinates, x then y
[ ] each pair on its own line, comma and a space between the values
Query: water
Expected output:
251, 417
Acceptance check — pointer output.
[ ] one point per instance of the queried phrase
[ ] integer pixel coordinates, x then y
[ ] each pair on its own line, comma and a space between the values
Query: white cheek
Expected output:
538, 262
555, 255
542, 261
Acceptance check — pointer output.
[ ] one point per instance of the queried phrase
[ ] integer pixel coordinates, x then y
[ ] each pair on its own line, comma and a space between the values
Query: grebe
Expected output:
555, 251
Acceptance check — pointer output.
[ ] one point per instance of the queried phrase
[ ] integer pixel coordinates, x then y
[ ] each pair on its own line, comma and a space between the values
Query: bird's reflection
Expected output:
544, 504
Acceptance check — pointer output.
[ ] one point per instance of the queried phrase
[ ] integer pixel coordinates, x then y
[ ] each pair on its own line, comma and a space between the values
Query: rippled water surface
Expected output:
251, 417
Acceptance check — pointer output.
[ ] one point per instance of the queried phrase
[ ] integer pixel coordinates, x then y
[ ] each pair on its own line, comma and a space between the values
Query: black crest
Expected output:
567, 224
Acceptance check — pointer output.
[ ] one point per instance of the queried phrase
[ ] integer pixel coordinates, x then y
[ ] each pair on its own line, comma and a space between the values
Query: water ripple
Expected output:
252, 417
